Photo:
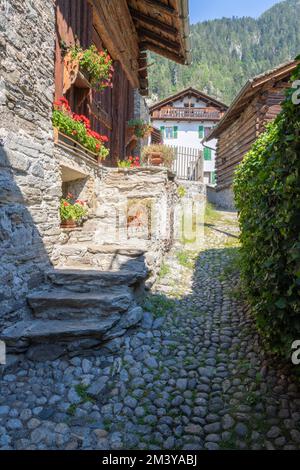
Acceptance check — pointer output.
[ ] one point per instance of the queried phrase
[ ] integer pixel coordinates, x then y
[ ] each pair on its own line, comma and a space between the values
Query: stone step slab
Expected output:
102, 257
63, 304
22, 334
88, 279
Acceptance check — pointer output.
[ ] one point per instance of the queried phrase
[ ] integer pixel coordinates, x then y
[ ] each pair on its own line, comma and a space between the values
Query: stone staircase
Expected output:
80, 307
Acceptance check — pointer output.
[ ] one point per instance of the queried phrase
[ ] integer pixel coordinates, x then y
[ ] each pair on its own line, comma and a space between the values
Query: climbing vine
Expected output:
267, 192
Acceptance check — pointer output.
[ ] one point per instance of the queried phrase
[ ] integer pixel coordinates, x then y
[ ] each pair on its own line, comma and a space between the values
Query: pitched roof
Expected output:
189, 92
248, 92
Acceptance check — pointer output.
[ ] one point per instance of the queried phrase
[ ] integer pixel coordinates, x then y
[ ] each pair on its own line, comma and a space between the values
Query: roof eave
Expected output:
185, 91
185, 19
253, 83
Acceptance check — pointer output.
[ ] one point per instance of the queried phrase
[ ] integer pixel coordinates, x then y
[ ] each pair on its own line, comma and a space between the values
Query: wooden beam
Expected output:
137, 15
161, 6
148, 45
146, 33
115, 26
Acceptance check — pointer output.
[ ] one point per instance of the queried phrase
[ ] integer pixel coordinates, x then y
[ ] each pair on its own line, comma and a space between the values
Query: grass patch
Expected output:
72, 409
211, 214
181, 191
228, 444
159, 305
252, 399
81, 391
185, 259
164, 271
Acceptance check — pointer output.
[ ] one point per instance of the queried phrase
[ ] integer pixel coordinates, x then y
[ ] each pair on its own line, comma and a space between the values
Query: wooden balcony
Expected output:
187, 114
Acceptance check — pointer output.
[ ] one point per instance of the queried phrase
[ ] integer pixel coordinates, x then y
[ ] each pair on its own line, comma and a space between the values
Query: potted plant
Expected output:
72, 211
158, 155
139, 128
97, 66
78, 128
130, 162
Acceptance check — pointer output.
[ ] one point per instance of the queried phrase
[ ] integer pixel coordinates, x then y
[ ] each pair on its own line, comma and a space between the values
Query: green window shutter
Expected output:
175, 132
213, 177
162, 130
207, 154
201, 132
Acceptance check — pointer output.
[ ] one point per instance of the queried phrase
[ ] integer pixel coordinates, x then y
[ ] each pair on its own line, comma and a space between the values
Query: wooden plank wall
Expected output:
234, 143
109, 110
237, 140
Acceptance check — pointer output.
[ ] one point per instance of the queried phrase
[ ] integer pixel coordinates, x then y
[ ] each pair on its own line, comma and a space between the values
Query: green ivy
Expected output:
267, 193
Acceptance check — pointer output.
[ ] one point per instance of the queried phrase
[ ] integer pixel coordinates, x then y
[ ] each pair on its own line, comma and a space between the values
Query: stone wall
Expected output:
79, 175
222, 198
189, 214
192, 189
133, 209
29, 190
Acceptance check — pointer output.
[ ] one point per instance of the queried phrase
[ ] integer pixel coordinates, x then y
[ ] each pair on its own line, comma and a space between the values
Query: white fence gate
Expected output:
188, 163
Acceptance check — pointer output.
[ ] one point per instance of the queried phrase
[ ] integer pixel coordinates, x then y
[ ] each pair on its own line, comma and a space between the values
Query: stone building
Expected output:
77, 287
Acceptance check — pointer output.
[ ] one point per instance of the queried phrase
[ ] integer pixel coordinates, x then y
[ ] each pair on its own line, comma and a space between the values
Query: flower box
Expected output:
69, 224
71, 144
77, 129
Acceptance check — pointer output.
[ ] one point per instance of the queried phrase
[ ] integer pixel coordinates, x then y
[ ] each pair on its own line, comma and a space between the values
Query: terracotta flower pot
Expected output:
156, 159
68, 224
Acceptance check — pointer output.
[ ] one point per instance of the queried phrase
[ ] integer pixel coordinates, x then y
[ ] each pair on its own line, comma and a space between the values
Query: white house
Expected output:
185, 119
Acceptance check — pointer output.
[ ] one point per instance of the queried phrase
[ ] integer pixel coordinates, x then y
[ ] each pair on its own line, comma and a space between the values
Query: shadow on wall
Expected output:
23, 255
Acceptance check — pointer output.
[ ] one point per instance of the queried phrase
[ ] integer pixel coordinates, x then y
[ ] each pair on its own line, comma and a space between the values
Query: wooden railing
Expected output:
186, 113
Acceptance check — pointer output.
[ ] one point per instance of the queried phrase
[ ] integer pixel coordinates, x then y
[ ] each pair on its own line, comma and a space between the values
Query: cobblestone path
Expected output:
192, 376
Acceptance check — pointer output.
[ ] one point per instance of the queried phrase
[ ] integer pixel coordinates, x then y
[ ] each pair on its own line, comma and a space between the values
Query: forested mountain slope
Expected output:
227, 52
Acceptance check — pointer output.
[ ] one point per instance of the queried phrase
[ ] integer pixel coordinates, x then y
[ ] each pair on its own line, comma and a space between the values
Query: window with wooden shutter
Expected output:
201, 132
207, 154
175, 132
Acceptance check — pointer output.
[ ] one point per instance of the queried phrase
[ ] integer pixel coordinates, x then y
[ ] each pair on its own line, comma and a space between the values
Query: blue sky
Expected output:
201, 10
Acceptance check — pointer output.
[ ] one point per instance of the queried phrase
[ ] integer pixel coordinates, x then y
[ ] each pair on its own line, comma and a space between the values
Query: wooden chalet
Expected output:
184, 119
258, 103
126, 29
197, 107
